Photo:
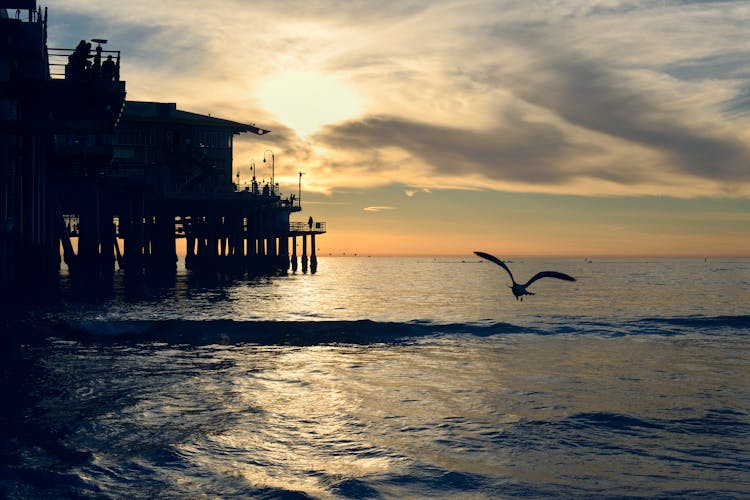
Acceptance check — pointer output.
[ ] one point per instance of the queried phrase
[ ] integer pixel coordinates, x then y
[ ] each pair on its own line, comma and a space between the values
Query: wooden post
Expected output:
283, 252
108, 242
294, 254
189, 240
313, 257
89, 239
304, 253
133, 236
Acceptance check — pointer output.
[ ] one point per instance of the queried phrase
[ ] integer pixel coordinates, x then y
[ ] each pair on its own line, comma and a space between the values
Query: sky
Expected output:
517, 127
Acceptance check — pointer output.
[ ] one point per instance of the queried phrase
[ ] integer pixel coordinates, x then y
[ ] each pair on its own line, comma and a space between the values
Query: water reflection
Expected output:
302, 432
438, 416
410, 289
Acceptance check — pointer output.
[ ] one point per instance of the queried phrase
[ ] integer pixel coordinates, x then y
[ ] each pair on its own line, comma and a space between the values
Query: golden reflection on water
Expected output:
299, 424
306, 417
310, 414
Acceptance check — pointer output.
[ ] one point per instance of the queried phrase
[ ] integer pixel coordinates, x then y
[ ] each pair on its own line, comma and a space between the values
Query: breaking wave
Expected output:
202, 332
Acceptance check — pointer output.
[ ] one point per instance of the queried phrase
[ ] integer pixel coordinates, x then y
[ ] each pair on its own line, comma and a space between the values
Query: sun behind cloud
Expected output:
307, 100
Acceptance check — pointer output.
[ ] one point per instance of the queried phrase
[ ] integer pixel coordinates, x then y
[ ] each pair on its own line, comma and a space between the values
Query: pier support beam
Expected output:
133, 234
313, 257
89, 238
188, 225
284, 252
107, 242
294, 254
251, 238
304, 254
163, 258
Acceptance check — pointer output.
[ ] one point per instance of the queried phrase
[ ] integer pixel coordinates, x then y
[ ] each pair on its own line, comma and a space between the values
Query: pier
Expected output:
102, 183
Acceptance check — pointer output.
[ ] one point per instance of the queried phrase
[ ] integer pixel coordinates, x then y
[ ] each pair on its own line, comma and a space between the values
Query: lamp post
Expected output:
253, 183
299, 194
272, 167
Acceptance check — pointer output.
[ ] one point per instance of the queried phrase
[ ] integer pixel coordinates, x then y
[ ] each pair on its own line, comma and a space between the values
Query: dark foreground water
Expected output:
387, 378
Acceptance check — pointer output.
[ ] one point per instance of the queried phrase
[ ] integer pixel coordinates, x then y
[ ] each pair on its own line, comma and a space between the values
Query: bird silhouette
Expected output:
520, 290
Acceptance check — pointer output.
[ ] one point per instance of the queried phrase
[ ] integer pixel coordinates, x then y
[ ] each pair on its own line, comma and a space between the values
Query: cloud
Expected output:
587, 95
573, 115
527, 153
739, 105
731, 67
724, 66
378, 209
603, 98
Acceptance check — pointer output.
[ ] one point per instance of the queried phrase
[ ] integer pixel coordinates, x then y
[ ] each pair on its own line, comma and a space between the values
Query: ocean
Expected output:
386, 378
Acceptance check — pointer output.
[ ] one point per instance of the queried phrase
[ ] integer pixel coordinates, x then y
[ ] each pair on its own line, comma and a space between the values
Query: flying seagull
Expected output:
520, 290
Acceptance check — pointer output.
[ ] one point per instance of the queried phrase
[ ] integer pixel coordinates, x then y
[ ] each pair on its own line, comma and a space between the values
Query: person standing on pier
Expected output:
108, 69
310, 222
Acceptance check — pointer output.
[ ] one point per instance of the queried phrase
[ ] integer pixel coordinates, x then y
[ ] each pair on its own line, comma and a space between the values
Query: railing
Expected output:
60, 65
305, 227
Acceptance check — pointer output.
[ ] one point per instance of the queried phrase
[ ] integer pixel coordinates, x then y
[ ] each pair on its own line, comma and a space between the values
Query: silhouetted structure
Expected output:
35, 109
170, 177
114, 181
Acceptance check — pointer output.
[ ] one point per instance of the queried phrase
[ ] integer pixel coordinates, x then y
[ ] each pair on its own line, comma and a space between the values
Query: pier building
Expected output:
115, 183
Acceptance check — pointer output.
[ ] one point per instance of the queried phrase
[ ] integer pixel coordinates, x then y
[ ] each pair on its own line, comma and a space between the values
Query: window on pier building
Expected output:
83, 140
127, 136
212, 138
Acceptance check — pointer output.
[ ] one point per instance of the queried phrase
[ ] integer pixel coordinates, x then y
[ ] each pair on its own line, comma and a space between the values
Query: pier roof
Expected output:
161, 111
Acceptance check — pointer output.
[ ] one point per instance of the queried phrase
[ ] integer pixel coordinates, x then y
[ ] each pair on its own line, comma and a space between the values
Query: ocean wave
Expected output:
198, 332
365, 331
719, 422
705, 325
739, 322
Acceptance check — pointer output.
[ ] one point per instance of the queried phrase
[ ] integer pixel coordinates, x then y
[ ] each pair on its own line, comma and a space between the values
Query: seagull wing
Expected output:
549, 274
497, 261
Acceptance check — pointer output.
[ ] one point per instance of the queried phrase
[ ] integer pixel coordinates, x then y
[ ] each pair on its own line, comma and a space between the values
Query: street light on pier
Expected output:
272, 167
253, 183
299, 194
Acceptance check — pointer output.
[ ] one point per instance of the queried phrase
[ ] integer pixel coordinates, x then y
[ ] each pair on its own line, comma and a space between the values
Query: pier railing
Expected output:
306, 228
59, 61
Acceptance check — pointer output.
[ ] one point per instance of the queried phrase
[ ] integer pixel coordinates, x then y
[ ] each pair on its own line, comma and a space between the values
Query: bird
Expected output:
518, 289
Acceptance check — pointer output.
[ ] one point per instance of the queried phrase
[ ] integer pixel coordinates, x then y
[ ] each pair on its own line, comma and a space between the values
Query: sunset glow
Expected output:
307, 100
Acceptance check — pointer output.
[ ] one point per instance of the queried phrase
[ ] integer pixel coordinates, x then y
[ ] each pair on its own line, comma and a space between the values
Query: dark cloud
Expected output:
707, 2
525, 151
721, 66
627, 7
588, 94
740, 104
732, 66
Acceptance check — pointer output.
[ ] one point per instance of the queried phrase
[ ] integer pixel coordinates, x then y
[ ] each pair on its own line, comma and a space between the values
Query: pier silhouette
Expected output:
102, 183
